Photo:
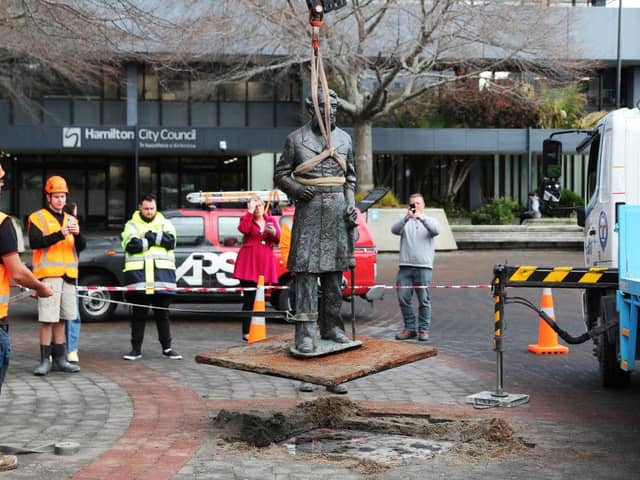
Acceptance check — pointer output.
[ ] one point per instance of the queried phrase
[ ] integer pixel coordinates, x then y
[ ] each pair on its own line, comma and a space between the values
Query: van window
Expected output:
189, 230
228, 234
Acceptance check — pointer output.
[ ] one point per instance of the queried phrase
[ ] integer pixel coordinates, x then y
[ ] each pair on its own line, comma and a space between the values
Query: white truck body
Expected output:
613, 178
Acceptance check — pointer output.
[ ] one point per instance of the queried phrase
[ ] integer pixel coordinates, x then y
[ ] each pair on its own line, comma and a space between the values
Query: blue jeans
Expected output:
415, 276
72, 332
5, 352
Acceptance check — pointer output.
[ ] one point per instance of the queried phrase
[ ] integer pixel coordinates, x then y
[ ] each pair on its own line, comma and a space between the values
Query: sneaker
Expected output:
132, 355
171, 354
245, 337
8, 462
423, 336
406, 334
72, 357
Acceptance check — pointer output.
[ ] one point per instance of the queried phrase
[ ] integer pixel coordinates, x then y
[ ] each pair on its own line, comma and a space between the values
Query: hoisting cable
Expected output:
319, 78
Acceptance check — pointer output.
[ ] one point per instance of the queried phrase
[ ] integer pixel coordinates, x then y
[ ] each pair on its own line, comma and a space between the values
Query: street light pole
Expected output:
618, 60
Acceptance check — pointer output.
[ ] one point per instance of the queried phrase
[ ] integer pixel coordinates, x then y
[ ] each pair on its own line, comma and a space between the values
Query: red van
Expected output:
208, 241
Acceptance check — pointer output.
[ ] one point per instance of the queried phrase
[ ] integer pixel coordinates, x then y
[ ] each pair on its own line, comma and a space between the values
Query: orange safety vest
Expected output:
58, 259
4, 283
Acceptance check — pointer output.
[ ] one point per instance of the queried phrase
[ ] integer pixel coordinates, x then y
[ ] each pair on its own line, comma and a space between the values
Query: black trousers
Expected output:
139, 320
247, 303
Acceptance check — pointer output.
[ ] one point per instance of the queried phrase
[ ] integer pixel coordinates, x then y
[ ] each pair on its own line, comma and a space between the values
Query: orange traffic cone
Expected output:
547, 338
258, 328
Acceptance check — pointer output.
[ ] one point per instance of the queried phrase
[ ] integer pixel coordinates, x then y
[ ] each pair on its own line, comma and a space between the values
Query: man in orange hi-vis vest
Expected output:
11, 267
55, 239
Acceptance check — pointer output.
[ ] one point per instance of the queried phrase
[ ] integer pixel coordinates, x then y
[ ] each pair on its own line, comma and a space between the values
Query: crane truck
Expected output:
612, 184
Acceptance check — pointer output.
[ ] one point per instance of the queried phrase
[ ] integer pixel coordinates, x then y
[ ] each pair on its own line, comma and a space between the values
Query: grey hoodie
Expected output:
417, 241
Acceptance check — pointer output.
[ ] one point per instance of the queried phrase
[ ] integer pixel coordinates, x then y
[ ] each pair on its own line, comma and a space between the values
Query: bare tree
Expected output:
381, 54
74, 40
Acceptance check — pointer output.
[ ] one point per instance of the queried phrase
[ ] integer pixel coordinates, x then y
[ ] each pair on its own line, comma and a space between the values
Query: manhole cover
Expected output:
381, 448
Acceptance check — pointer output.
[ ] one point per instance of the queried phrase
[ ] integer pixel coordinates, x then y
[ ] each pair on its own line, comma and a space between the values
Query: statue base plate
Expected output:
325, 347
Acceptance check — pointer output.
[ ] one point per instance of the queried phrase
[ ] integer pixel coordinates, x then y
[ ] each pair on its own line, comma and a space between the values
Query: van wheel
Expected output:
96, 306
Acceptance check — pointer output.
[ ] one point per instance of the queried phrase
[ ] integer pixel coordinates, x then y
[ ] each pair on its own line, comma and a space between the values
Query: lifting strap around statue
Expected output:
319, 78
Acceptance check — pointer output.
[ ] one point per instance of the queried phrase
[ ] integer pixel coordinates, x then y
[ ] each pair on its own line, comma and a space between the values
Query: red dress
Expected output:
256, 254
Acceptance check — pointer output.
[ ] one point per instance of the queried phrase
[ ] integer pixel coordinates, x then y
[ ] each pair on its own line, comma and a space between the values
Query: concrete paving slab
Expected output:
272, 357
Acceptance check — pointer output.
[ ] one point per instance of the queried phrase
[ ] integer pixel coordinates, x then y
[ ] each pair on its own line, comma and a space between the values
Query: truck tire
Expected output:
98, 308
611, 375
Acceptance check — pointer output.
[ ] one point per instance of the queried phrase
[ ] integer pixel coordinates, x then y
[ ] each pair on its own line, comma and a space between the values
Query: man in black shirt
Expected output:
11, 267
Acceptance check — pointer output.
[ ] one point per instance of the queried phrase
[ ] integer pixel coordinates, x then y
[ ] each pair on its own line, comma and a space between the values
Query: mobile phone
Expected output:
412, 207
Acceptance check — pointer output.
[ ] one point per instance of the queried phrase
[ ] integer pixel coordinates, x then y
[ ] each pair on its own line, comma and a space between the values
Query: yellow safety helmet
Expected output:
56, 184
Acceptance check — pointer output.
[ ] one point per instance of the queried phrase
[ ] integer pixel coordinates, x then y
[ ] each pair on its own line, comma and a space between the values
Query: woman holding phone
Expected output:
261, 232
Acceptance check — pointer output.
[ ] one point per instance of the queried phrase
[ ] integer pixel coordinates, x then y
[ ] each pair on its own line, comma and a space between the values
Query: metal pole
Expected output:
618, 59
498, 327
529, 161
353, 302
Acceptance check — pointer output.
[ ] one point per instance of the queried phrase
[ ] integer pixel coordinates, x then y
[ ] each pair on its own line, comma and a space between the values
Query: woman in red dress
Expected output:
261, 232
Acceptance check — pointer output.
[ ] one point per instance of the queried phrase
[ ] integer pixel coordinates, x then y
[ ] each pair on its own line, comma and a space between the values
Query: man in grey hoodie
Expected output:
417, 249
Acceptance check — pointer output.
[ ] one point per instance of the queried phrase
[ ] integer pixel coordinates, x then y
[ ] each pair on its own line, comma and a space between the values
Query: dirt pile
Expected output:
469, 438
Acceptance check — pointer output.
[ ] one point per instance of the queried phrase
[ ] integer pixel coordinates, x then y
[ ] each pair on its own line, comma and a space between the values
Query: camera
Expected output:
412, 207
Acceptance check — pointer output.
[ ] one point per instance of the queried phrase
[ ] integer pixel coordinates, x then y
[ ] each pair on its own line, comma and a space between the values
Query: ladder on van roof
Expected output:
204, 198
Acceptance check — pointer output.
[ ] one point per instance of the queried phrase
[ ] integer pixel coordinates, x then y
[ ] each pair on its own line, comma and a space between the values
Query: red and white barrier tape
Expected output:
93, 288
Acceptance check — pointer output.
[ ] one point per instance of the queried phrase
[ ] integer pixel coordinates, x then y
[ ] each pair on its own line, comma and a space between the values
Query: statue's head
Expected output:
333, 101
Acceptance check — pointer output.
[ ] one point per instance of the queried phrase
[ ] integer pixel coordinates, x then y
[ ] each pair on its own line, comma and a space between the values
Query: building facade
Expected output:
148, 134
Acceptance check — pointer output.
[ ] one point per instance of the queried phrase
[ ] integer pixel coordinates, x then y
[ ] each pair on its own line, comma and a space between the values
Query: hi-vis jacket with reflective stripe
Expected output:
154, 267
56, 260
4, 283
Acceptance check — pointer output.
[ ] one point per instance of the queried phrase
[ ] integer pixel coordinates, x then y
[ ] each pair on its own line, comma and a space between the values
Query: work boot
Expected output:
60, 363
45, 361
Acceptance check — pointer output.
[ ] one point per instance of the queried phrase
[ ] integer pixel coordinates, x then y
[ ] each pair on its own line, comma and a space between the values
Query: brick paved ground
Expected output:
151, 419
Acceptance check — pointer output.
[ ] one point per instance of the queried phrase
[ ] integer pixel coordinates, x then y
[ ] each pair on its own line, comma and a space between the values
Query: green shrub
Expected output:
565, 207
498, 212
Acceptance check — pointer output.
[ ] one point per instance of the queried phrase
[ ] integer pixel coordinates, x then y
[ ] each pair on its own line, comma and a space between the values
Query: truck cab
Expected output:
613, 180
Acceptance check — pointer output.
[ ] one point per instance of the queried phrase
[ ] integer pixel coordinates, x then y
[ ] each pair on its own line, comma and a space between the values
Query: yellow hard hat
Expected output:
56, 184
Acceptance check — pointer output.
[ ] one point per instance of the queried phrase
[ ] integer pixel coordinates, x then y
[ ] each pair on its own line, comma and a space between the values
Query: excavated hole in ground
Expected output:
333, 428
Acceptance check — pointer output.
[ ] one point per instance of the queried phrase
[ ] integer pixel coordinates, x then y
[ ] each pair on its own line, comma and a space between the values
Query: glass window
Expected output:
592, 169
233, 92
150, 91
260, 91
189, 230
112, 89
204, 90
228, 234
175, 90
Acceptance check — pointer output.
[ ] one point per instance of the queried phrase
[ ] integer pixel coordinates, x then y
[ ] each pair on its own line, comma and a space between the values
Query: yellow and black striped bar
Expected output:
559, 277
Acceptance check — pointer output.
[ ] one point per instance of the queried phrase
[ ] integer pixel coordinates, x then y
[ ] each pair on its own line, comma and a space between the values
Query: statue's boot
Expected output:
337, 335
306, 327
338, 389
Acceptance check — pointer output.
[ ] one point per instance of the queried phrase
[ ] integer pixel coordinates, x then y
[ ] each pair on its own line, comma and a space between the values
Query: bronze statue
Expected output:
316, 169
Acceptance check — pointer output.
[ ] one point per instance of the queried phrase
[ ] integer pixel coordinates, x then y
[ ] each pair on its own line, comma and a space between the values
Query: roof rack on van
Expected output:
205, 198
